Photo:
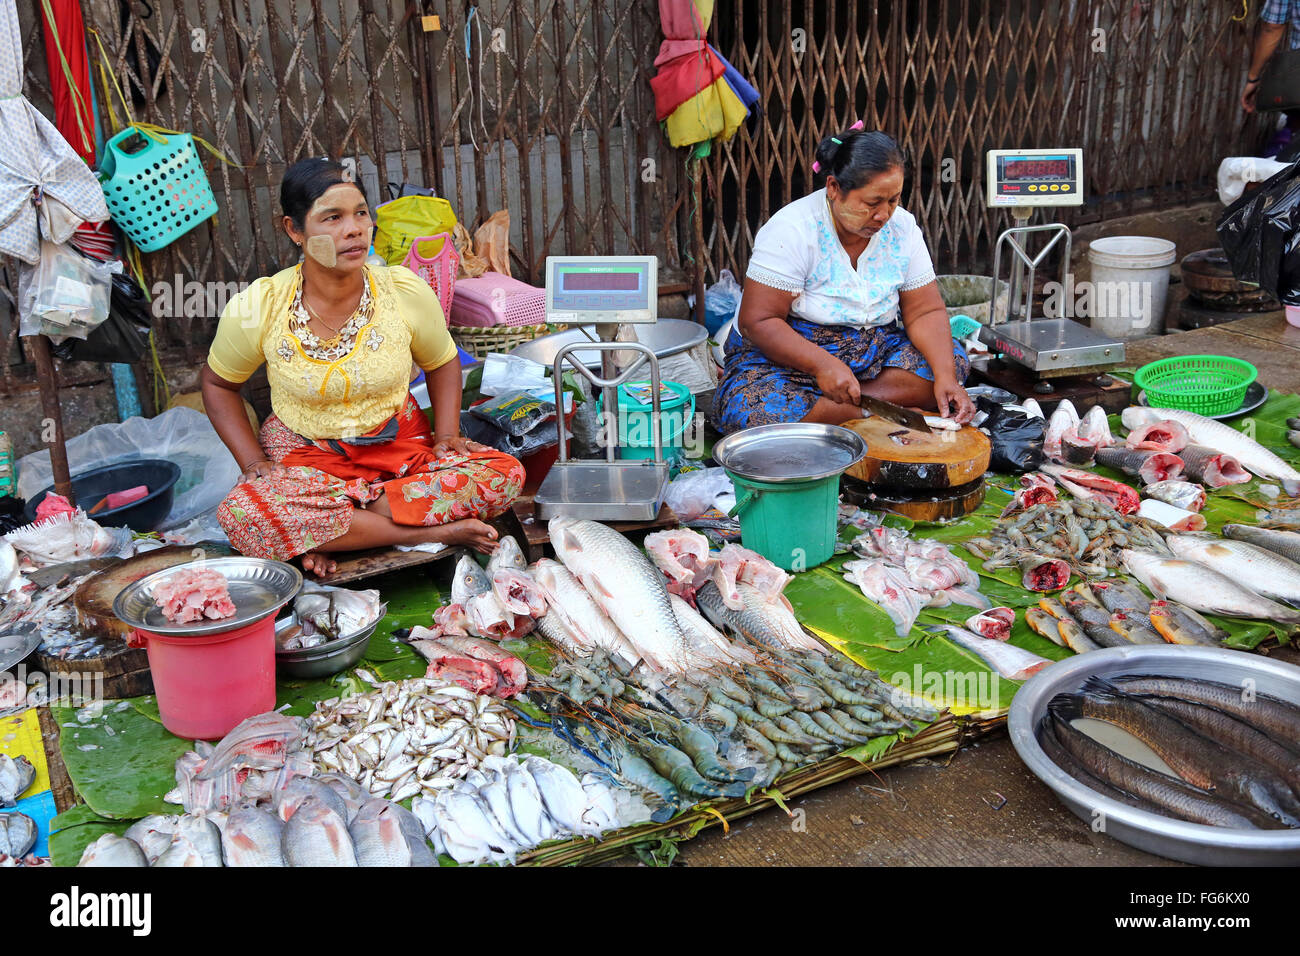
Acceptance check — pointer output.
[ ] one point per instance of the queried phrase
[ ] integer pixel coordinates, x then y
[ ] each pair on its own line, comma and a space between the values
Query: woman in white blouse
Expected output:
830, 279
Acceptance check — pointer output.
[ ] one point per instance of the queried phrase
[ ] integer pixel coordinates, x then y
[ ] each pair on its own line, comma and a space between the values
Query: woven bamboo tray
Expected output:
497, 338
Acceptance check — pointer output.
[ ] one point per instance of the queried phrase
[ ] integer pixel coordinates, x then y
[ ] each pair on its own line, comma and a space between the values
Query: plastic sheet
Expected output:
1260, 233
182, 435
1017, 438
124, 337
693, 493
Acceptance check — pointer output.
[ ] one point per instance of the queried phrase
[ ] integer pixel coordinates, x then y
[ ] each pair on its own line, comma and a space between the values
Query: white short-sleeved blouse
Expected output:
798, 250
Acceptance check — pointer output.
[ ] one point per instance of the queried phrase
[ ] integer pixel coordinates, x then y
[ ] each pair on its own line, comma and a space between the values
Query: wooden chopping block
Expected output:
938, 505
123, 670
904, 460
93, 602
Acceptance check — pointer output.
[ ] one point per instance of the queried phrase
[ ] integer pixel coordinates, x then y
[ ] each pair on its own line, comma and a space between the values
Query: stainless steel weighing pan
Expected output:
665, 337
797, 451
1164, 836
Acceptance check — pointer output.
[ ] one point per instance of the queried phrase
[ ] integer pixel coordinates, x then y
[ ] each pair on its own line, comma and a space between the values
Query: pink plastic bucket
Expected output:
206, 685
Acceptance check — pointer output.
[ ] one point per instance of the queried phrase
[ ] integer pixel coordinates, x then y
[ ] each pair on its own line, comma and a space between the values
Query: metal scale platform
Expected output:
604, 291
1048, 357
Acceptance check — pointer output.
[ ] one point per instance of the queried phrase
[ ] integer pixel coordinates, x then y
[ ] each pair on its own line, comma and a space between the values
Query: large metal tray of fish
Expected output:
257, 587
1176, 839
326, 631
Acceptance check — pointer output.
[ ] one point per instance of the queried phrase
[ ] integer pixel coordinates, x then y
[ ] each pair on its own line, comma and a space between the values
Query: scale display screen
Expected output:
1035, 177
601, 288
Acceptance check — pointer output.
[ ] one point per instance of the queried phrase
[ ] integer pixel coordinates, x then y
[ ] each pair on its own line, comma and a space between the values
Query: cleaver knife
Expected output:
894, 413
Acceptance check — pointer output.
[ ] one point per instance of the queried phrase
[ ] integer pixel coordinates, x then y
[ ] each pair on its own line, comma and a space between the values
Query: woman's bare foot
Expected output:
321, 565
467, 532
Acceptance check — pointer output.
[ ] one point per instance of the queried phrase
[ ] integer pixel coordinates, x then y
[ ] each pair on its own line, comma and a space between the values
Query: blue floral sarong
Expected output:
756, 391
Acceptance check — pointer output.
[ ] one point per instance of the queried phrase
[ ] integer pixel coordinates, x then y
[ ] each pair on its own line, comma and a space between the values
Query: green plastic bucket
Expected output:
636, 421
791, 523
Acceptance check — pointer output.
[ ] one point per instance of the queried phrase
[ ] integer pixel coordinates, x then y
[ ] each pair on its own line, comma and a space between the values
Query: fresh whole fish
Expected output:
1051, 746
1134, 627
562, 794
1284, 543
302, 789
182, 852
1175, 519
1150, 466
1175, 795
1094, 621
1167, 436
1268, 573
1203, 588
1119, 596
317, 835
203, 835
585, 620
1200, 761
1212, 467
16, 775
623, 582
761, 622
1064, 631
17, 834
377, 836
705, 643
153, 834
113, 850
1237, 735
1180, 494
416, 843
1012, 662
468, 580
1223, 438
1278, 718
1176, 627
253, 838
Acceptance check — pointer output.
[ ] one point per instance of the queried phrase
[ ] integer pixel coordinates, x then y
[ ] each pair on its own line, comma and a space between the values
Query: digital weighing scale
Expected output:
604, 291
1043, 355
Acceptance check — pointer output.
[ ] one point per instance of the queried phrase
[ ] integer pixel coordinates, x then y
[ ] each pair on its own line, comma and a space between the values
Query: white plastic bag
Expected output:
693, 493
182, 435
1236, 171
65, 295
506, 373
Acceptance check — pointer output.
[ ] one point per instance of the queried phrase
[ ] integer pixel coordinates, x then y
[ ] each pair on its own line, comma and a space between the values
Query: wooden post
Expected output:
39, 346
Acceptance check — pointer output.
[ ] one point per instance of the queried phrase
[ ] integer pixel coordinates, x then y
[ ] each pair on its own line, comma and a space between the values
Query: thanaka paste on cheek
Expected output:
321, 248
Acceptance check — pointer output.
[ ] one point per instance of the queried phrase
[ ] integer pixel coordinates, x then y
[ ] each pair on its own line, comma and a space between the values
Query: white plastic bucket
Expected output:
1130, 284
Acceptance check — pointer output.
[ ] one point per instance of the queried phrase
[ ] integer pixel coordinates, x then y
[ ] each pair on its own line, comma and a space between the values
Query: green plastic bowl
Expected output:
1204, 384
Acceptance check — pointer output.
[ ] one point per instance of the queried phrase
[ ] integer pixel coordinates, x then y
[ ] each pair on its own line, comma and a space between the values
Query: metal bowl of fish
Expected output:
257, 588
326, 631
1257, 678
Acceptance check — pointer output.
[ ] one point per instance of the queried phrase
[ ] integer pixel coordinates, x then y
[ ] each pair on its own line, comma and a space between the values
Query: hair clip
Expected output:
836, 140
817, 167
856, 126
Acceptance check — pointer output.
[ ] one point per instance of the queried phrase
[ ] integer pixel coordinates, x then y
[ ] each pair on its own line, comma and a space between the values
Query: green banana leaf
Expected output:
75, 829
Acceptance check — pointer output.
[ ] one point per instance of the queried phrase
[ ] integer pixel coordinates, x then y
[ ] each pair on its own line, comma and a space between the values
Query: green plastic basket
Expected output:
1204, 384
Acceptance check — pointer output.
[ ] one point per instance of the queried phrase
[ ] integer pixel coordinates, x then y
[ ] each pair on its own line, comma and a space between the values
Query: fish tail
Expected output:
1065, 707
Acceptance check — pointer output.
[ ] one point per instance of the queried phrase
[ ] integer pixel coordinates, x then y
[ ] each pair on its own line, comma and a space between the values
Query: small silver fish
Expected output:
113, 850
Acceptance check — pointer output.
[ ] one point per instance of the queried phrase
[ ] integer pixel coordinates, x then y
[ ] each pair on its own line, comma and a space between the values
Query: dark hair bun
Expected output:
854, 157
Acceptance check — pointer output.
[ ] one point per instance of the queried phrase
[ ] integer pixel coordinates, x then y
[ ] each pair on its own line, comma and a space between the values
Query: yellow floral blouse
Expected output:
349, 384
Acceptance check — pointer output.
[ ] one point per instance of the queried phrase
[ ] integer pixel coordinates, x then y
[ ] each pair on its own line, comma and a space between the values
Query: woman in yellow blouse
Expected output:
347, 461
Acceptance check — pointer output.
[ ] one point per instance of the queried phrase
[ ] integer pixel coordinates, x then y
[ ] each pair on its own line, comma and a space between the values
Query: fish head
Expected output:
470, 580
507, 556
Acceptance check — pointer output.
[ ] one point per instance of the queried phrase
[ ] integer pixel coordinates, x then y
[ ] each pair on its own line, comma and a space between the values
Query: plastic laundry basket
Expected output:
158, 192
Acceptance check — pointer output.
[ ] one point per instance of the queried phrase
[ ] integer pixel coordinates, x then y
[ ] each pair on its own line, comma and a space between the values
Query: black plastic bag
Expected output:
122, 337
1017, 438
1260, 233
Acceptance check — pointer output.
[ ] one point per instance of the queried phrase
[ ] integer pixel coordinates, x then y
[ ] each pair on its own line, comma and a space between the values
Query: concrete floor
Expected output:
983, 808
